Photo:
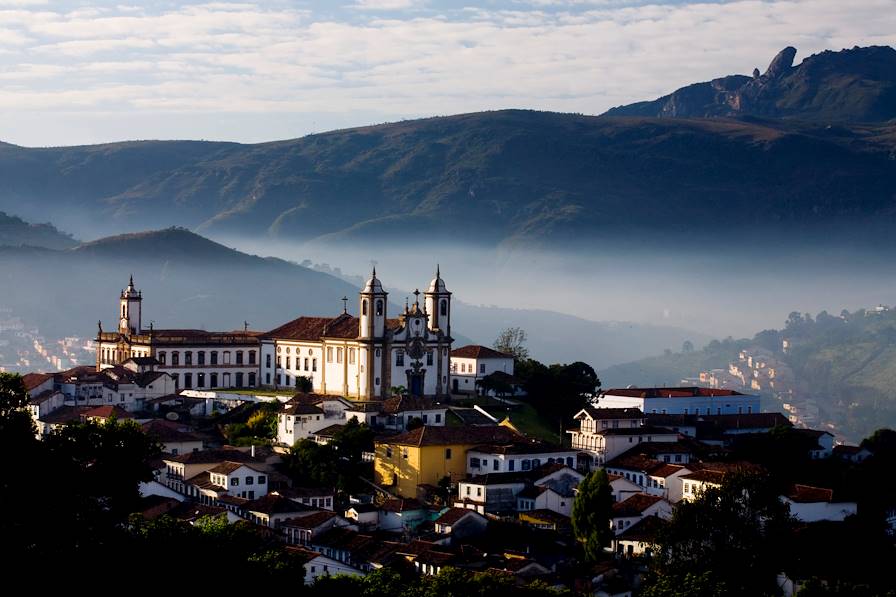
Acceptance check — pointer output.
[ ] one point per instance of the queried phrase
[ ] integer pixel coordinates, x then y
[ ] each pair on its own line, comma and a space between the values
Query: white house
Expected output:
460, 523
239, 479
317, 565
473, 362
298, 421
811, 504
517, 456
604, 444
364, 357
622, 488
639, 537
399, 514
175, 438
631, 510
272, 509
681, 401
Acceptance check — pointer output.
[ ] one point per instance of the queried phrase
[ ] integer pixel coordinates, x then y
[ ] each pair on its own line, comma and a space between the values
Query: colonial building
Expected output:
365, 357
194, 358
681, 401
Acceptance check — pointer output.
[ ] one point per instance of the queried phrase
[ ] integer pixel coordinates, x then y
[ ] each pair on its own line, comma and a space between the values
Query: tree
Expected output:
512, 341
687, 346
740, 532
398, 390
591, 512
304, 384
414, 423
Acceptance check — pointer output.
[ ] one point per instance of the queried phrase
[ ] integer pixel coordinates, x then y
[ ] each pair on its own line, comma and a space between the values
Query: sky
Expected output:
78, 72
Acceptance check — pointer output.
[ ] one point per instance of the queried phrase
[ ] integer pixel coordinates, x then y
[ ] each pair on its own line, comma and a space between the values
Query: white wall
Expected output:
815, 511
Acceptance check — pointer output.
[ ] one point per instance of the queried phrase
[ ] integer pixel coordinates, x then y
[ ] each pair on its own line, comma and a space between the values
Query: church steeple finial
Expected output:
374, 271
131, 281
438, 274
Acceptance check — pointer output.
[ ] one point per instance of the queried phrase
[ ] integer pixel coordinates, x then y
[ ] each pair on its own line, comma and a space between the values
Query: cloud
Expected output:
250, 58
386, 4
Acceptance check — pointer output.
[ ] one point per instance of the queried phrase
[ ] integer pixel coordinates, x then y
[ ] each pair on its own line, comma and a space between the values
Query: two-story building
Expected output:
471, 363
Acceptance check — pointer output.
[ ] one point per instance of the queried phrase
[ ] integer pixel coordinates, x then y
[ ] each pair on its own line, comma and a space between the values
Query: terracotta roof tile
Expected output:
315, 328
429, 435
634, 505
474, 351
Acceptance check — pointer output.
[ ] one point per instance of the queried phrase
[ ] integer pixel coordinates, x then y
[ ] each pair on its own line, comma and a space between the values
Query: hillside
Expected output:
845, 364
857, 85
509, 178
190, 281
15, 232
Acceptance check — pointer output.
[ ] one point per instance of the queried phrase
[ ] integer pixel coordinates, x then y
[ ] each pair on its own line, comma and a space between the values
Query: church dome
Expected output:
373, 284
437, 284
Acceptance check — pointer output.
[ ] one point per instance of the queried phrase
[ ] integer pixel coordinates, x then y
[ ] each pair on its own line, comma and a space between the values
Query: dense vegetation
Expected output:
15, 232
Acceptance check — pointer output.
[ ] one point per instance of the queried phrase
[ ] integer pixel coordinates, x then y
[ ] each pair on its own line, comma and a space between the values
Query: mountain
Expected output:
192, 282
857, 85
845, 365
15, 232
501, 179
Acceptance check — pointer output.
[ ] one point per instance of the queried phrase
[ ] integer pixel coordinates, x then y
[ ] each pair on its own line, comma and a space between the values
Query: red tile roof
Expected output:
311, 521
474, 351
32, 380
670, 392
806, 494
452, 515
445, 436
398, 404
315, 328
600, 414
401, 505
104, 412
635, 505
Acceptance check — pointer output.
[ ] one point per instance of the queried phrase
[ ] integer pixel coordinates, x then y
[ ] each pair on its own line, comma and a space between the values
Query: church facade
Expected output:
359, 357
364, 357
196, 359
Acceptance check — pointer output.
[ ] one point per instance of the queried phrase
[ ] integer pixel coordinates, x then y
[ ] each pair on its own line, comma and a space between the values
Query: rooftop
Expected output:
807, 494
634, 505
446, 436
682, 392
275, 504
452, 515
475, 351
107, 411
602, 414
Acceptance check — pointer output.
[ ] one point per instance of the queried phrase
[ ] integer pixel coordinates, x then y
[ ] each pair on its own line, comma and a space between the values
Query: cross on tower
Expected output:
345, 304
417, 296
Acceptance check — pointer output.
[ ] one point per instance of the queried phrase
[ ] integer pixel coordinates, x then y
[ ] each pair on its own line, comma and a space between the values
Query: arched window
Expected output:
213, 357
252, 357
239, 357
251, 380
200, 358
162, 358
364, 307
379, 307
175, 359
443, 308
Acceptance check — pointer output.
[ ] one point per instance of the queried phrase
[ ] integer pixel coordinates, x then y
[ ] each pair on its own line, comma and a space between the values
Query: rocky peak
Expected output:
781, 63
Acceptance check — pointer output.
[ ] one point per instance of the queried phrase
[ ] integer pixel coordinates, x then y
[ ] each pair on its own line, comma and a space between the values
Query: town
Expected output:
362, 446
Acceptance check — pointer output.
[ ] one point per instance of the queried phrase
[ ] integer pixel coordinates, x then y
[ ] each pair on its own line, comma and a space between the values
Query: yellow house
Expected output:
428, 454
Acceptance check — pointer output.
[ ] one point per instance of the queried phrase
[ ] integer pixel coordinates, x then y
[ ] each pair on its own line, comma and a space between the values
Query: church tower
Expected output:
373, 310
130, 306
438, 305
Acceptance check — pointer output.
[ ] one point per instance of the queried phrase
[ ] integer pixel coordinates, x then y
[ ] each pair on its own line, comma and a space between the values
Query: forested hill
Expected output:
503, 178
15, 232
846, 363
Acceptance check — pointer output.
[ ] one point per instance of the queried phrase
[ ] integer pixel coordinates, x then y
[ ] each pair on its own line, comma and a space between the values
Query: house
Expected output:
367, 516
639, 538
683, 400
126, 387
302, 529
272, 509
492, 492
631, 510
60, 417
517, 455
824, 442
428, 454
346, 545
555, 491
401, 514
240, 479
471, 363
298, 421
101, 414
622, 488
460, 523
317, 565
176, 439
604, 445
188, 465
851, 453
325, 436
811, 504
546, 520
700, 476
42, 404
315, 497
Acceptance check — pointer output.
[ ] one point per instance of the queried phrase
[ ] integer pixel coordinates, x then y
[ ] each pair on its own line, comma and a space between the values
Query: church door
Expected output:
416, 385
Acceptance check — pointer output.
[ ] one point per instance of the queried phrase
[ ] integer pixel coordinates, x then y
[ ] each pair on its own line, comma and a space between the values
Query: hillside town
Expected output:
368, 443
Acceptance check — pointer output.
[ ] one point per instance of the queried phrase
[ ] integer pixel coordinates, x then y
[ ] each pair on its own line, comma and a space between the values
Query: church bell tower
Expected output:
130, 303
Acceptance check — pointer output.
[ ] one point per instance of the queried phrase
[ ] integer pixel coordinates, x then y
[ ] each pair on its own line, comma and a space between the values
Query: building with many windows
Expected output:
364, 357
196, 359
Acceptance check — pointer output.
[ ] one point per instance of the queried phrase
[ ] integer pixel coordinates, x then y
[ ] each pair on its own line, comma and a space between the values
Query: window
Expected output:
379, 307
306, 363
425, 418
388, 451
214, 380
527, 464
200, 357
234, 482
200, 380
188, 381
279, 362
479, 492
314, 364
262, 479
429, 358
175, 359
251, 380
250, 480
239, 357
351, 356
188, 358
364, 307
399, 358
239, 380
267, 378
176, 377
443, 308
339, 354
468, 490
329, 354
226, 380
438, 417
376, 381
213, 357
404, 453
447, 453
678, 458
288, 366
474, 463
511, 465
226, 357
267, 361
161, 358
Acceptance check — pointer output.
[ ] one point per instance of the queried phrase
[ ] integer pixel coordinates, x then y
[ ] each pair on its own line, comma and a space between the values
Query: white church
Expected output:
360, 358
364, 357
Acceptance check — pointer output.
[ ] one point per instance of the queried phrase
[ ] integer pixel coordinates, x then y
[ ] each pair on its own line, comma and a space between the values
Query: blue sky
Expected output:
88, 72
